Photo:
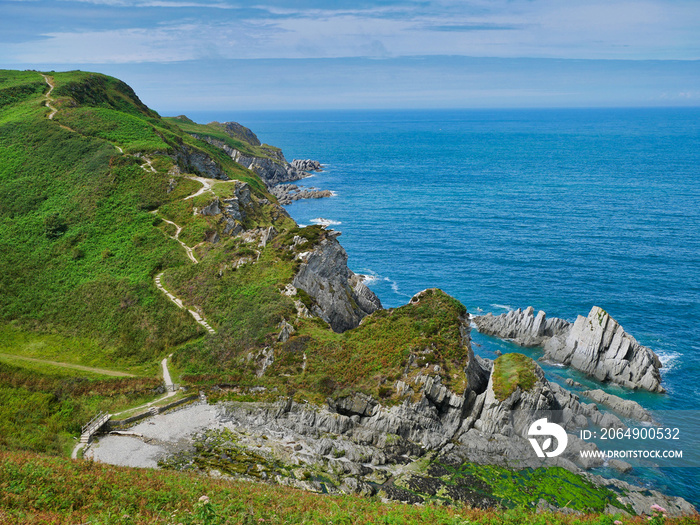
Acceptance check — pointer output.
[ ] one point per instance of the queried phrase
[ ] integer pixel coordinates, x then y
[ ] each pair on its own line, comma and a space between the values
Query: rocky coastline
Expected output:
422, 439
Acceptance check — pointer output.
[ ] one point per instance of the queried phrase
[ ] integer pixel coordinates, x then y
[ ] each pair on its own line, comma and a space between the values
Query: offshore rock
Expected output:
288, 193
307, 165
596, 345
624, 407
340, 297
522, 326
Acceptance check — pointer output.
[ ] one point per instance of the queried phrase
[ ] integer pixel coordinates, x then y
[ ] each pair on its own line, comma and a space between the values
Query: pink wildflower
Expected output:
658, 508
617, 522
205, 499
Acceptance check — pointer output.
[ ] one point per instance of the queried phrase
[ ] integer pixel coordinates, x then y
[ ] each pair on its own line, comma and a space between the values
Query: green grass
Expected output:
43, 409
512, 371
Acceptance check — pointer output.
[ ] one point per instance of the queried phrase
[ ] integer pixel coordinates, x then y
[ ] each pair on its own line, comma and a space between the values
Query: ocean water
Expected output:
558, 209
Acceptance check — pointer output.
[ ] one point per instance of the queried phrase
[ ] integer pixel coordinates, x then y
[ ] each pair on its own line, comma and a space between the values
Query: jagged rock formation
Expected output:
288, 193
273, 168
191, 160
521, 326
339, 296
307, 165
596, 345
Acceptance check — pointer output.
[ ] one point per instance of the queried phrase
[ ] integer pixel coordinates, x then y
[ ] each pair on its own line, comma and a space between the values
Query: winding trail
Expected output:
102, 371
179, 304
49, 98
178, 229
206, 186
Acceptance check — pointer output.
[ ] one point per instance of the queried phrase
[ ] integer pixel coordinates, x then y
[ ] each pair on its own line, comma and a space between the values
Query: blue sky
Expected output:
184, 55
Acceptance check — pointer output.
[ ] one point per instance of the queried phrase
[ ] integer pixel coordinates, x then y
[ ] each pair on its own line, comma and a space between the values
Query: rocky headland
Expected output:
596, 345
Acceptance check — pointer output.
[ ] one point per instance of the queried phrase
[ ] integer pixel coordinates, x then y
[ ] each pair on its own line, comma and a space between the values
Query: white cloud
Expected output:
548, 28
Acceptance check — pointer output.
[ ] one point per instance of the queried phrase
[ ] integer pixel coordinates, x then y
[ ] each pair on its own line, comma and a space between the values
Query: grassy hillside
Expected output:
80, 246
88, 199
37, 489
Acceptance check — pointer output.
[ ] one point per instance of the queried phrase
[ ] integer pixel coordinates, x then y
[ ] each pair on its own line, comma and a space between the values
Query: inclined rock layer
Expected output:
340, 297
596, 345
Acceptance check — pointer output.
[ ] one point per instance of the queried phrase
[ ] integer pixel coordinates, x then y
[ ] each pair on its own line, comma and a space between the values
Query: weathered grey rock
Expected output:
193, 160
641, 499
340, 297
288, 193
624, 407
272, 168
620, 466
598, 346
521, 326
286, 330
307, 165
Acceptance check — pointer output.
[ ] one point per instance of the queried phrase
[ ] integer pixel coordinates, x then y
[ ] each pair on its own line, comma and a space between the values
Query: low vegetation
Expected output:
37, 489
512, 371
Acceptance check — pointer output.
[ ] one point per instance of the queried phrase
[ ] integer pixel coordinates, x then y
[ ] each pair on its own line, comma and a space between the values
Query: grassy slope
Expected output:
79, 249
37, 489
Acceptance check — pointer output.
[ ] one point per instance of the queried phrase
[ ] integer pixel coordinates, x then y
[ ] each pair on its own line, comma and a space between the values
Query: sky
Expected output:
205, 55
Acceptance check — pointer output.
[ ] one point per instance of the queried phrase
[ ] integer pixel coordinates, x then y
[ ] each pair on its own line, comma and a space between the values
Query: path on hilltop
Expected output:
148, 166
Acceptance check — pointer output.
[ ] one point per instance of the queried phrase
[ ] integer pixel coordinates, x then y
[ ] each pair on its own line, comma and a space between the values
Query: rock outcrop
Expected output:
288, 193
624, 407
596, 345
307, 165
522, 326
272, 168
355, 444
339, 296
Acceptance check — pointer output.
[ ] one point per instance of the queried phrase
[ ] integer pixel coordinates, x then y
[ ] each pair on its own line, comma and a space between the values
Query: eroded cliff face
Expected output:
596, 345
272, 169
339, 296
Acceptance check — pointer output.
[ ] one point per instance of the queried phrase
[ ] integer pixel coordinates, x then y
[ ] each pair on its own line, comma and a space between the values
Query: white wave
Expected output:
325, 222
367, 278
334, 193
395, 287
669, 359
502, 306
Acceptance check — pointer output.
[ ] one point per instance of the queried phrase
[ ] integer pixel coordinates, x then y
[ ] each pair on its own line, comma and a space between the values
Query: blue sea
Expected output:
558, 209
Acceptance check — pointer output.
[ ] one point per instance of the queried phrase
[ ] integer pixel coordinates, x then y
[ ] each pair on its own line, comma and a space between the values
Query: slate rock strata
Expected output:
596, 345
624, 407
288, 193
339, 296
